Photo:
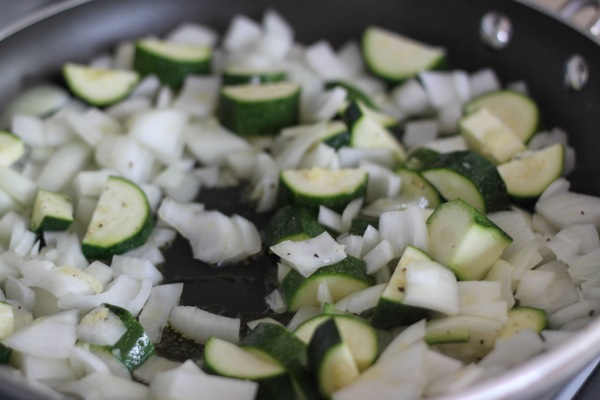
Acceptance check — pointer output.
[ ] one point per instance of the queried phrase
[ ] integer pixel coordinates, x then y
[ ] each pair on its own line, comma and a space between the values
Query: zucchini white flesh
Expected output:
530, 173
464, 239
121, 221
265, 109
51, 212
171, 62
99, 87
331, 359
471, 177
228, 359
12, 148
395, 58
316, 187
517, 111
488, 136
7, 321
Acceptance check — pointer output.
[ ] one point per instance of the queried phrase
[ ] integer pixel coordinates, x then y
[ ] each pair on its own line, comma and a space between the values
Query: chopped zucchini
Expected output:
337, 135
331, 359
420, 157
395, 58
292, 223
171, 62
12, 148
530, 173
134, 347
523, 317
446, 330
332, 188
51, 212
361, 338
519, 112
465, 240
121, 221
414, 187
227, 359
468, 175
368, 131
99, 87
488, 136
259, 110
342, 278
354, 93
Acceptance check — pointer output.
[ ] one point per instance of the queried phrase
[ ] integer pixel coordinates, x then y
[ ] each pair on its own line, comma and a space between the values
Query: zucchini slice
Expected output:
51, 212
361, 338
330, 357
470, 176
530, 173
259, 110
519, 112
332, 188
368, 130
121, 221
524, 317
292, 223
465, 240
395, 58
171, 62
342, 278
227, 359
337, 135
415, 187
99, 87
12, 148
488, 136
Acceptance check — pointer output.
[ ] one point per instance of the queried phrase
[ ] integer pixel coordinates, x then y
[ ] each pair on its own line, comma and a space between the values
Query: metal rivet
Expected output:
496, 30
577, 72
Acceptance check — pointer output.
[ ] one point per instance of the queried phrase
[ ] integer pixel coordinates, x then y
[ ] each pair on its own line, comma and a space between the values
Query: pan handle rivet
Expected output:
577, 72
496, 30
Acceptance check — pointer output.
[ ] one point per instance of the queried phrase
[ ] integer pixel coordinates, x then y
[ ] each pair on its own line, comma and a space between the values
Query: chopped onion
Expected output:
199, 324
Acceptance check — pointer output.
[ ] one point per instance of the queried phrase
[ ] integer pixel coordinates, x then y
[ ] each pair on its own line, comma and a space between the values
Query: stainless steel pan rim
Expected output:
529, 380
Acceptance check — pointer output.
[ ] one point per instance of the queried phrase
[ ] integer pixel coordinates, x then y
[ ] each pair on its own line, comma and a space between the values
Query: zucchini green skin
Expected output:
292, 223
169, 71
134, 347
258, 118
350, 269
287, 195
415, 186
5, 354
43, 219
481, 172
419, 158
390, 314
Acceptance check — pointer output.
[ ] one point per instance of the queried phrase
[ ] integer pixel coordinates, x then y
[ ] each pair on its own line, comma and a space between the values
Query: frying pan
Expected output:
76, 30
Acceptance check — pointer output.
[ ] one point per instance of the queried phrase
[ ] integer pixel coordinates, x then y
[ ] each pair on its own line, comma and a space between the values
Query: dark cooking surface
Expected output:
536, 55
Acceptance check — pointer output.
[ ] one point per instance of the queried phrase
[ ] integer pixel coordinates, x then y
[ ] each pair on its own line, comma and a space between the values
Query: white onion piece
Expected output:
43, 371
19, 293
482, 299
149, 252
382, 182
321, 57
135, 268
304, 137
92, 125
516, 226
569, 208
100, 327
403, 228
379, 256
188, 382
447, 144
412, 334
160, 130
410, 97
38, 101
330, 219
128, 157
146, 372
353, 243
432, 286
274, 24
106, 386
326, 105
419, 132
19, 187
350, 55
83, 362
210, 143
448, 116
303, 314
517, 349
193, 34
148, 87
30, 129
351, 157
91, 183
51, 336
199, 324
309, 255
276, 302
126, 108
63, 166
61, 280
241, 33
362, 300
484, 81
155, 314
